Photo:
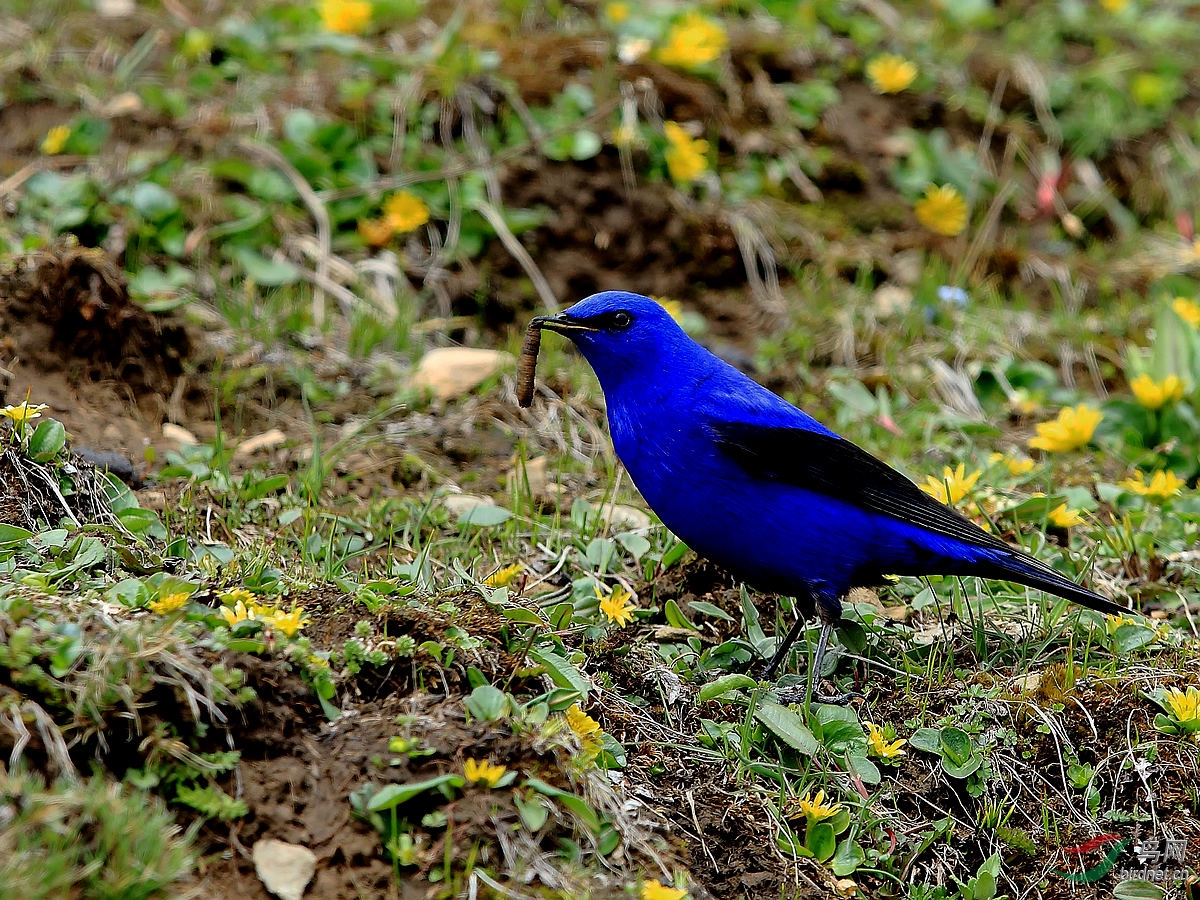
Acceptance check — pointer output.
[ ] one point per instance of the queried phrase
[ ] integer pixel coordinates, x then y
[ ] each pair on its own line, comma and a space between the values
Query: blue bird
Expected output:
762, 488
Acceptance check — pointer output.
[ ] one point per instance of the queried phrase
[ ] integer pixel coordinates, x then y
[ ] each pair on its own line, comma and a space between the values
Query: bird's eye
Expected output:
621, 320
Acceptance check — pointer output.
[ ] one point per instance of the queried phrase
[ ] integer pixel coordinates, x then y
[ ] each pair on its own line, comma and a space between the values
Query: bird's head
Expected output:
623, 335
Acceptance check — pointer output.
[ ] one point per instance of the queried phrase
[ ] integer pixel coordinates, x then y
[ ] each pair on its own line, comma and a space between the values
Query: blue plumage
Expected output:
761, 487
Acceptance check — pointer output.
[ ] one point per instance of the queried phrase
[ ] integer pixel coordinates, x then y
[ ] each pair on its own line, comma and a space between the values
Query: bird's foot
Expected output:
797, 693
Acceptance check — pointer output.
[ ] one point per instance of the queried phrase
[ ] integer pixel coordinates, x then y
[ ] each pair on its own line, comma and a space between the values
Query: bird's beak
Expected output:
562, 323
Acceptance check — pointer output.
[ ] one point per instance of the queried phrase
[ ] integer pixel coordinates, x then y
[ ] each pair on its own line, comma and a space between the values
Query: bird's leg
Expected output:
782, 651
814, 671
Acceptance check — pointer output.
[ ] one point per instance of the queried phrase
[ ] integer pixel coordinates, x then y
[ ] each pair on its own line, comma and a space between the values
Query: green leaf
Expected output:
393, 795
726, 684
674, 555
13, 535
561, 615
864, 768
258, 488
152, 201
263, 271
142, 521
962, 770
675, 616
561, 671
839, 821
484, 516
47, 440
1128, 638
709, 609
610, 839
956, 745
1137, 889
927, 739
612, 755
533, 812
821, 841
570, 801
847, 859
487, 702
585, 145
521, 616
636, 545
788, 727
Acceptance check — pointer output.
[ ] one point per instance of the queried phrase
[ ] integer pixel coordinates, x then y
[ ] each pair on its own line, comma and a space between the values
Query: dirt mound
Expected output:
71, 337
67, 309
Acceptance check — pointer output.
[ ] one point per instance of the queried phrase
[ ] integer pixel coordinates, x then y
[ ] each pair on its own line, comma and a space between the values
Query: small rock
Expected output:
457, 504
626, 518
115, 9
268, 440
891, 299
907, 267
532, 472
125, 104
284, 869
178, 434
1027, 684
450, 372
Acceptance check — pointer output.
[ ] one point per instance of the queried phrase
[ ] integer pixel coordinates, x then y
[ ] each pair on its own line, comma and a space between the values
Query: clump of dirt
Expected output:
67, 309
71, 337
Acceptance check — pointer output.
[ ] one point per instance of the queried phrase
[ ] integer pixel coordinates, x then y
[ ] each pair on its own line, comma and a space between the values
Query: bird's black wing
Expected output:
834, 467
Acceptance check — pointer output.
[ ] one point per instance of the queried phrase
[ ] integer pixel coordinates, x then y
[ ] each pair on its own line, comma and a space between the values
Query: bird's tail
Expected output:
1026, 570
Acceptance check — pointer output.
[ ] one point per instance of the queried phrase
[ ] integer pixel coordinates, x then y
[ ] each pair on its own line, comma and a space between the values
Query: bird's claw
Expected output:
797, 694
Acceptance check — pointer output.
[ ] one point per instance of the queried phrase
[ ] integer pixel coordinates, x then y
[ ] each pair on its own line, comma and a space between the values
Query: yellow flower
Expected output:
1073, 427
1062, 517
504, 576
586, 729
693, 41
816, 808
890, 74
1016, 465
652, 889
1023, 403
1184, 705
942, 210
23, 412
345, 16
405, 211
1188, 310
375, 232
1112, 623
878, 744
287, 622
617, 12
237, 595
685, 156
1155, 394
953, 485
169, 603
56, 139
1163, 485
316, 662
1114, 6
618, 606
480, 771
238, 613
